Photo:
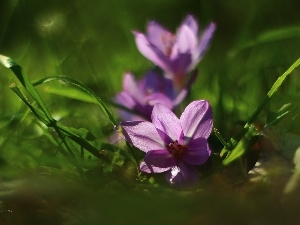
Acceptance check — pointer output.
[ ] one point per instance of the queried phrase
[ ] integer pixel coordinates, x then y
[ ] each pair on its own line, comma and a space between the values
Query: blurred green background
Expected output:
255, 42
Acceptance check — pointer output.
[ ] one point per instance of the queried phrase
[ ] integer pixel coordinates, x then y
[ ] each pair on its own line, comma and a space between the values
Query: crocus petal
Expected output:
186, 40
197, 120
197, 153
130, 86
127, 116
165, 120
160, 158
155, 82
155, 98
159, 36
176, 54
125, 99
191, 23
203, 44
142, 135
140, 96
152, 169
183, 93
180, 97
183, 174
151, 52
180, 67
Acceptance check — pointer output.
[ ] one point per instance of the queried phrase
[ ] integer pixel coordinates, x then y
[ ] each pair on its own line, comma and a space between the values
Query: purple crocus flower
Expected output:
171, 144
176, 54
140, 96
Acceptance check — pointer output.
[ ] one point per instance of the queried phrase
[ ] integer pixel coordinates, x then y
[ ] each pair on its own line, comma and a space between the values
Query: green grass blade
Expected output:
93, 97
72, 134
280, 34
17, 70
36, 111
238, 148
273, 90
280, 80
241, 147
276, 117
72, 93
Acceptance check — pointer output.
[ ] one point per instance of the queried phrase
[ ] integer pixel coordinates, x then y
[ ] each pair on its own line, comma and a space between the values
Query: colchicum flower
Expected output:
141, 96
171, 144
176, 54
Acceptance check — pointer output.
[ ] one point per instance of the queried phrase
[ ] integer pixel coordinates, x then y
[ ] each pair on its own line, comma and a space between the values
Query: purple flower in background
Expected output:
171, 144
176, 54
141, 96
